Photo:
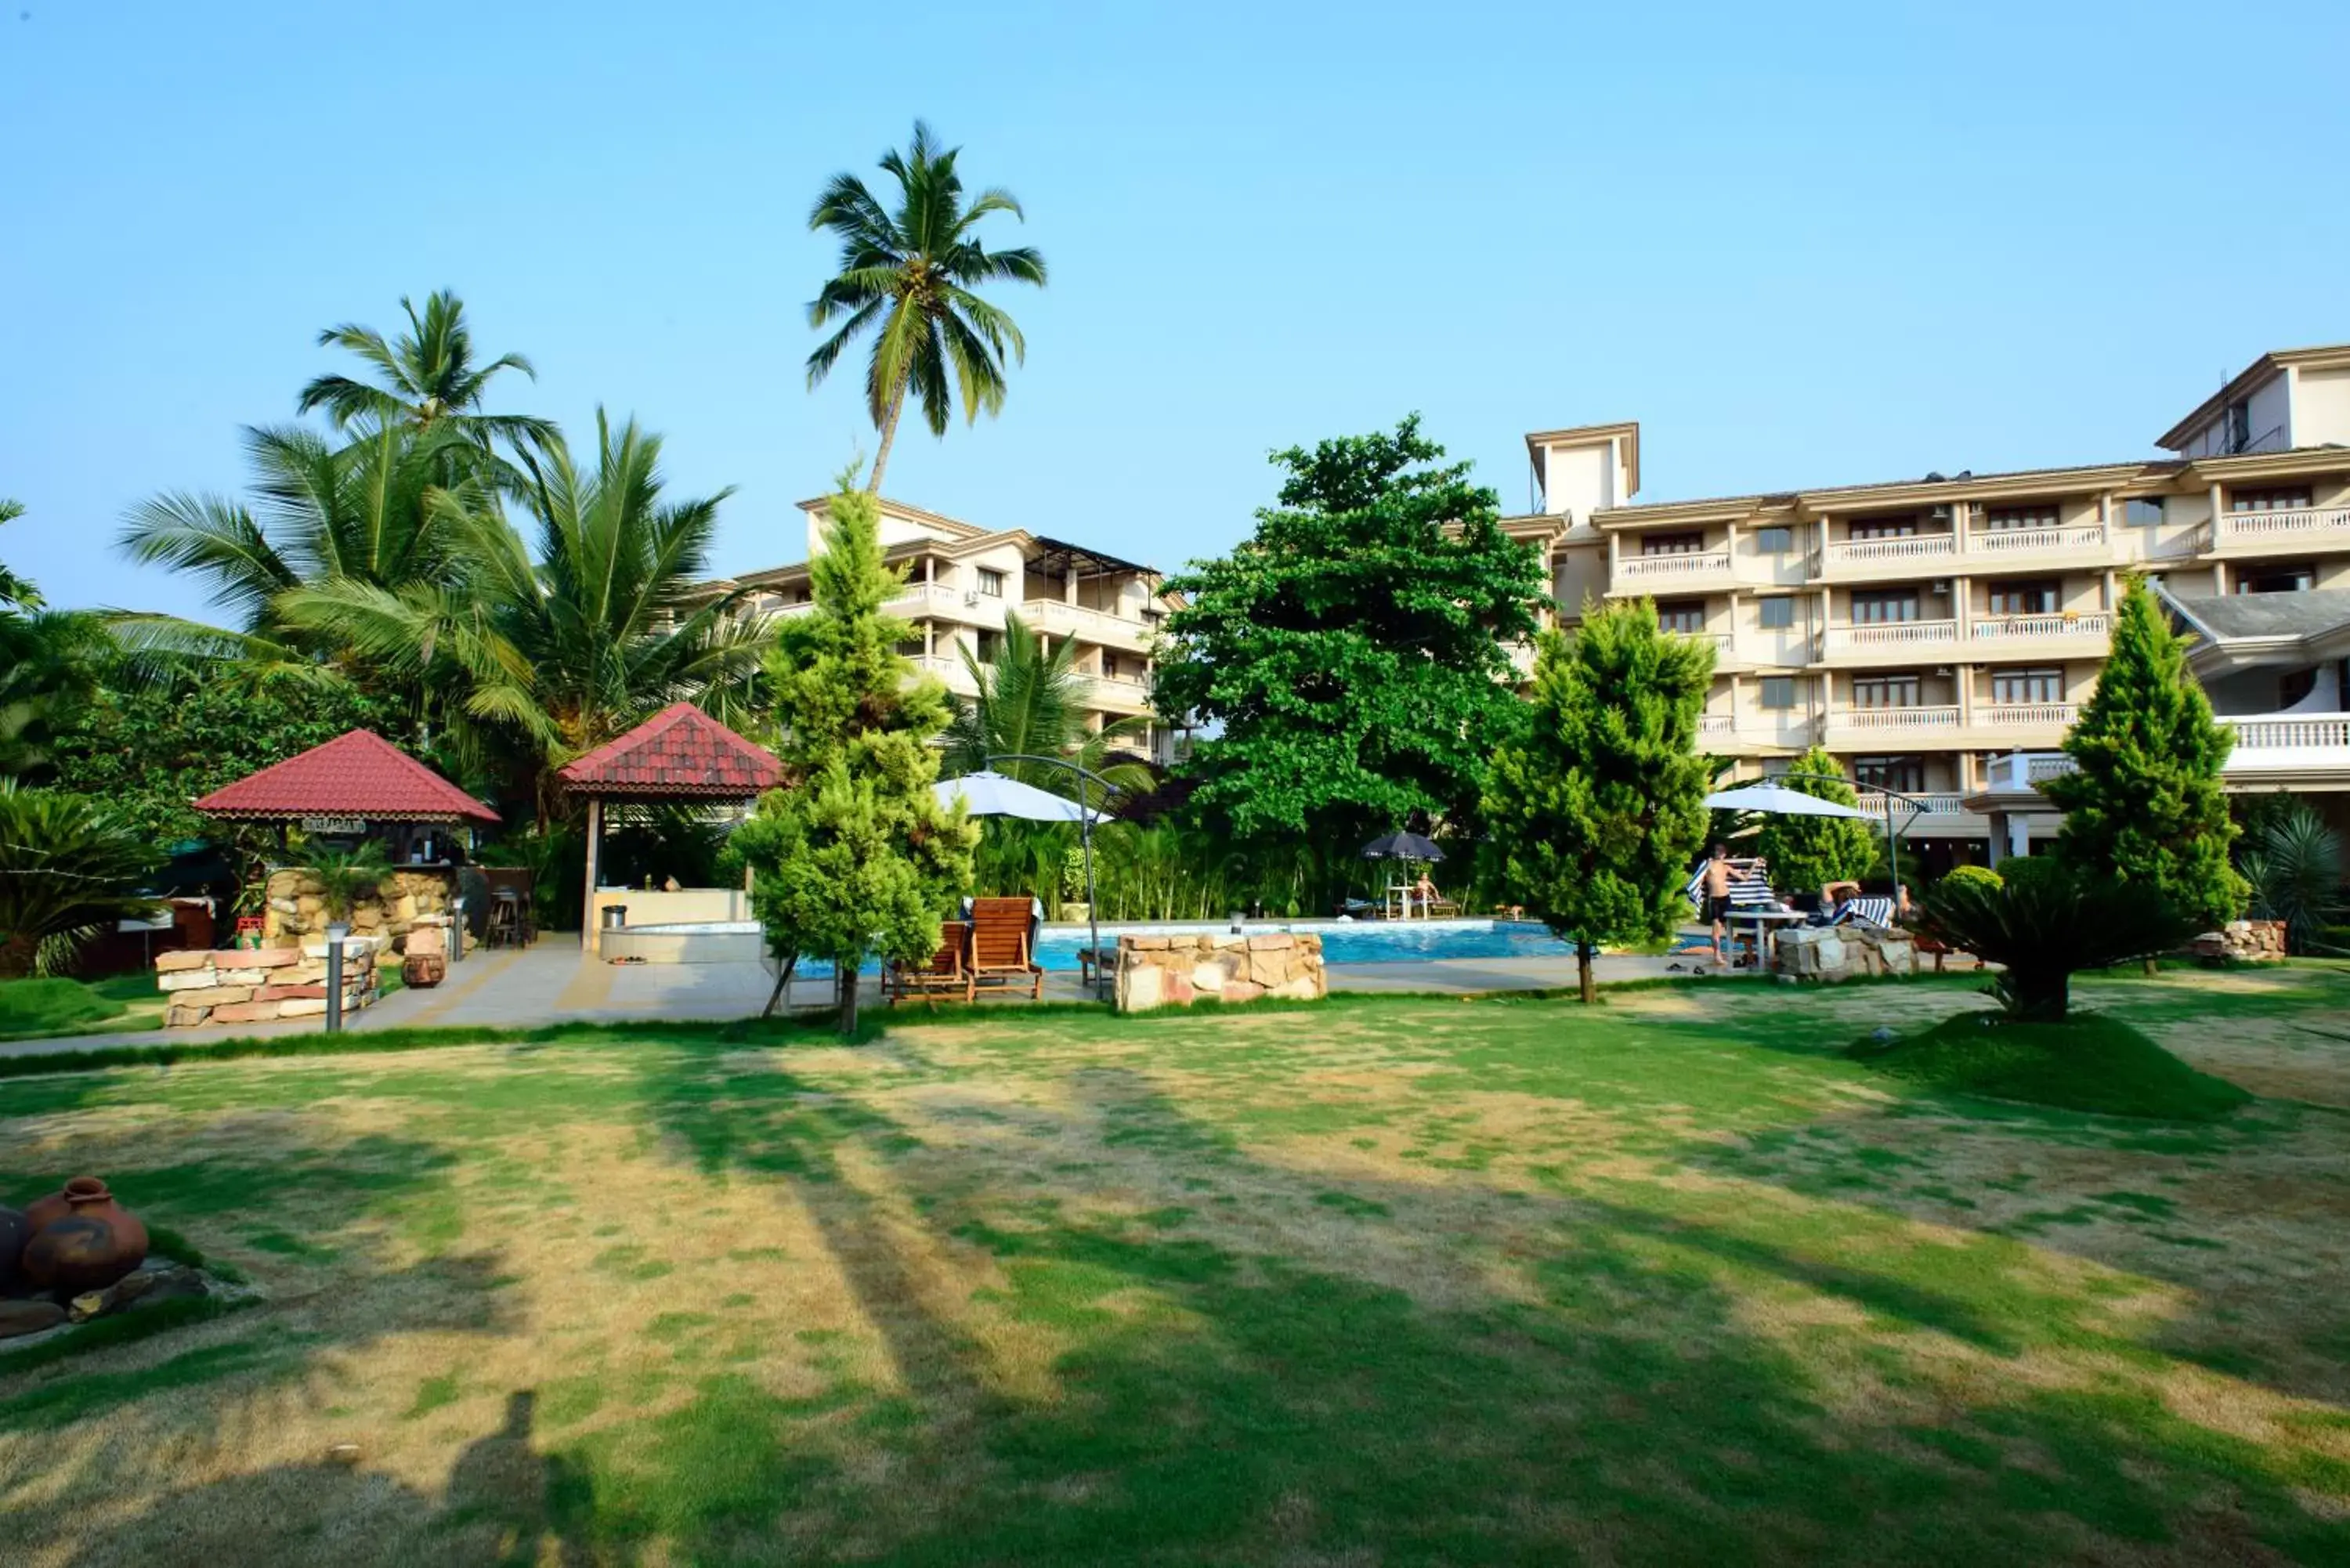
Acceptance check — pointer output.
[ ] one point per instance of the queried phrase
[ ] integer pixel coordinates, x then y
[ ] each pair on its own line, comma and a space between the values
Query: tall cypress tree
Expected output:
2146, 808
1595, 815
1808, 852
853, 855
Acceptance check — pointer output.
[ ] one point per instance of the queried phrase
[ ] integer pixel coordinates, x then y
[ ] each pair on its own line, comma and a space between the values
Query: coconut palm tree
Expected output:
1032, 703
423, 378
568, 650
68, 868
907, 276
15, 591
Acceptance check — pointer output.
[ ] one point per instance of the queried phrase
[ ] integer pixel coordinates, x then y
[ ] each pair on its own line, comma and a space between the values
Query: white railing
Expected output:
1892, 634
1935, 804
1059, 615
2292, 733
1693, 564
1896, 718
1910, 548
2020, 771
2271, 525
2060, 714
2008, 541
924, 596
1717, 724
2019, 628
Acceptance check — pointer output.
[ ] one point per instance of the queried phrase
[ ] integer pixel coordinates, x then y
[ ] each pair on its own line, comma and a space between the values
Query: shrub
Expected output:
69, 866
2043, 921
2292, 862
1974, 876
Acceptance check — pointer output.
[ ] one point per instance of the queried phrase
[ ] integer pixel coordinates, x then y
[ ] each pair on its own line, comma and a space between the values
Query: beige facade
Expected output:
962, 581
1927, 631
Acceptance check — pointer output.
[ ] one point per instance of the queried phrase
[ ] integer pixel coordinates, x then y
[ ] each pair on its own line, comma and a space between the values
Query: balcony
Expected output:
1923, 551
1894, 722
1059, 617
1937, 804
2084, 630
2281, 748
1892, 639
2027, 715
1646, 574
2249, 532
2006, 544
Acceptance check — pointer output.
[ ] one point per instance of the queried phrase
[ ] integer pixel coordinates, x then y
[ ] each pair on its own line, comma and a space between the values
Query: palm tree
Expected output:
605, 627
910, 275
427, 376
14, 590
68, 867
1032, 703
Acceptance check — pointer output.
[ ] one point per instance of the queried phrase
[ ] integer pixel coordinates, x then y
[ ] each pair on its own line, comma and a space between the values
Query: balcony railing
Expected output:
1897, 719
2023, 540
2021, 771
1717, 725
2303, 733
2316, 525
1891, 634
2026, 628
1909, 547
1692, 564
1059, 615
1938, 804
2060, 714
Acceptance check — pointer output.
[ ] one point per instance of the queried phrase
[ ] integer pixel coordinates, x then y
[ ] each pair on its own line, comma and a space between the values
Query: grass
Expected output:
2089, 1063
40, 1009
1405, 1279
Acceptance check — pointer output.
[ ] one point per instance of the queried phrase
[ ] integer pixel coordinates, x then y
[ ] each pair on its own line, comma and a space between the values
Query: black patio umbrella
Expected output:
1403, 846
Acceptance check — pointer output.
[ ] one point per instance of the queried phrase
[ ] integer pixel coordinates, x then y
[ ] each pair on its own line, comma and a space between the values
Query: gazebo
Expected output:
358, 787
679, 755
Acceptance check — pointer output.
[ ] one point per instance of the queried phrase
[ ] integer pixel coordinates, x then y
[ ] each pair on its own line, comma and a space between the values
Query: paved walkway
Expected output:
555, 982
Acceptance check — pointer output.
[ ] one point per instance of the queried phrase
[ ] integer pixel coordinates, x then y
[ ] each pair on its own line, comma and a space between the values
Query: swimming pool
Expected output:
1343, 943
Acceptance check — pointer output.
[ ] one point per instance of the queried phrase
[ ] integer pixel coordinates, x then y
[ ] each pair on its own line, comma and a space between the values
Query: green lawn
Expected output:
1673, 1279
36, 1009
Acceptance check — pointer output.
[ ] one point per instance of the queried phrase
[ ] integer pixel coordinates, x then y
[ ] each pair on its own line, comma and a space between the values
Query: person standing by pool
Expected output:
1717, 898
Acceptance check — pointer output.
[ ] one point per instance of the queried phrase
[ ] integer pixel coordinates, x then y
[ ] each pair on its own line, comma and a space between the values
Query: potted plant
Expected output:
344, 875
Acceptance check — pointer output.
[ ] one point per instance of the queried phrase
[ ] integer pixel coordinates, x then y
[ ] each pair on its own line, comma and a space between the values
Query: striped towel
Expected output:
1877, 912
1750, 885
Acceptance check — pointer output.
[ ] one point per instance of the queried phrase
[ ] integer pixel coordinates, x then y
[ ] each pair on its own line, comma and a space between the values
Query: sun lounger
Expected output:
947, 974
1000, 956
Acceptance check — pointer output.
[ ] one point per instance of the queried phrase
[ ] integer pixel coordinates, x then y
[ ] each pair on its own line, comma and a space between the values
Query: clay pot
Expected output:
15, 1232
92, 1244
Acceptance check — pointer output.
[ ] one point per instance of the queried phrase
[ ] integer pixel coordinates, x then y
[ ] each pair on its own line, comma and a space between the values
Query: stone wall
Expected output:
2243, 941
1834, 953
297, 908
1223, 966
262, 984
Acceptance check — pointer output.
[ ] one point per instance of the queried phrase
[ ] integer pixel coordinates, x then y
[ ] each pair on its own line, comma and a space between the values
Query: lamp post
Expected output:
336, 931
1892, 835
1084, 837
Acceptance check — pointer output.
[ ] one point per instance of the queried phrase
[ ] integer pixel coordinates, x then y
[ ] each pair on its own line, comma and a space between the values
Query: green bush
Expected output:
1974, 876
2089, 1064
52, 1006
2043, 920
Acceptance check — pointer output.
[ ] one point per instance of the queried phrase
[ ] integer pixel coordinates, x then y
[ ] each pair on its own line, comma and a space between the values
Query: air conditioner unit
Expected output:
970, 595
1942, 672
1939, 514
1942, 586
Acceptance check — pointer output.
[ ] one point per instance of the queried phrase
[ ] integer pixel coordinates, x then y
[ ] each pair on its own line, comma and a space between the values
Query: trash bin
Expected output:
615, 916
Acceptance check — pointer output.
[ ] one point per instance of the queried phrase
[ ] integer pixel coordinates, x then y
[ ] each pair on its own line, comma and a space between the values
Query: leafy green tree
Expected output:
2146, 808
540, 656
1596, 814
424, 376
908, 277
2044, 920
68, 869
854, 855
48, 664
1351, 659
1805, 853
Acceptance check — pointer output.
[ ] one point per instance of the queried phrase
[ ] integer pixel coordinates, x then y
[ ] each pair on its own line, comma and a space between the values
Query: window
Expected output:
1999, 519
1885, 528
2036, 597
991, 582
1884, 692
1673, 544
1904, 775
1775, 614
2294, 685
2240, 426
1778, 692
1878, 607
2142, 510
1775, 541
1684, 615
2272, 578
2017, 687
983, 645
2284, 498
911, 648
1109, 665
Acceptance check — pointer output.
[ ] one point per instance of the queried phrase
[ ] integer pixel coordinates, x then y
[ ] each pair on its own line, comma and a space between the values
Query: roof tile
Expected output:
356, 774
679, 754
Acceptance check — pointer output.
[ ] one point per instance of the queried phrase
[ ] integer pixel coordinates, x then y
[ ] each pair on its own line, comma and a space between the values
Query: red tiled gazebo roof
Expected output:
356, 774
679, 754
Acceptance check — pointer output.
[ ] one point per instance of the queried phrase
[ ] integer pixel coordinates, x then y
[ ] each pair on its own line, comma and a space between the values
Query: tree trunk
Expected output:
2153, 966
783, 986
1583, 976
889, 431
848, 983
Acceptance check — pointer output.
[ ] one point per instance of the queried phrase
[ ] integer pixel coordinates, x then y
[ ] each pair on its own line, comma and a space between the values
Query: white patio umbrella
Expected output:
994, 795
1779, 800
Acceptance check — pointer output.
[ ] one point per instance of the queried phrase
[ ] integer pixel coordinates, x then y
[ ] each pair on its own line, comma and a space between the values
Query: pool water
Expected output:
1414, 941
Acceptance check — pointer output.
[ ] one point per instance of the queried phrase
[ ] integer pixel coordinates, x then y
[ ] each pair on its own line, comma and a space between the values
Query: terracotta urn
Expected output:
93, 1243
15, 1232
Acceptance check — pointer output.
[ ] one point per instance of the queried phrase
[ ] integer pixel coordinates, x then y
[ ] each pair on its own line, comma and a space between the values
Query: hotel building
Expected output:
961, 580
1939, 635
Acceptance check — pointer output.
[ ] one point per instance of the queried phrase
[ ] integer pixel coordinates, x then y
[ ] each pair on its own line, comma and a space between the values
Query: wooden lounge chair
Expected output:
947, 974
1000, 951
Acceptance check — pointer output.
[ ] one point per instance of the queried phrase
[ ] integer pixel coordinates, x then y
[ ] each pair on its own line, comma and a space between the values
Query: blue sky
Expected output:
1802, 246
